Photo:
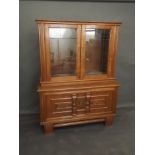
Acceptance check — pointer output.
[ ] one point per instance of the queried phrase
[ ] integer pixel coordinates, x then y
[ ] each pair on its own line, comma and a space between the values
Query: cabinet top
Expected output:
39, 21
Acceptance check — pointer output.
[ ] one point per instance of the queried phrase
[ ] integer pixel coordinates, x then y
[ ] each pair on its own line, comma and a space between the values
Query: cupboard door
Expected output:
77, 103
63, 42
97, 51
58, 105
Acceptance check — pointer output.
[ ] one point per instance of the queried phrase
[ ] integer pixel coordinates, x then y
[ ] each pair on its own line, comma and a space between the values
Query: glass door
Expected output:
64, 49
96, 48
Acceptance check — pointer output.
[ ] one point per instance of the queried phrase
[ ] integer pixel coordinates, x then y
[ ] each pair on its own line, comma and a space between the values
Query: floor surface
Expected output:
90, 139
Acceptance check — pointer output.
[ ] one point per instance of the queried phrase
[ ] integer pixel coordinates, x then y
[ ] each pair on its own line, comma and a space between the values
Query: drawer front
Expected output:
79, 103
101, 102
59, 105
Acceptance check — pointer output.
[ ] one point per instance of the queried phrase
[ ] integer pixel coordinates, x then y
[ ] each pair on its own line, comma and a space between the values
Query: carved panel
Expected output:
59, 106
79, 103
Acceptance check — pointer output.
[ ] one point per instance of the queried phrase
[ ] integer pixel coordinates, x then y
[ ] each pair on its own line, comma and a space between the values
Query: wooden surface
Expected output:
44, 21
122, 1
71, 100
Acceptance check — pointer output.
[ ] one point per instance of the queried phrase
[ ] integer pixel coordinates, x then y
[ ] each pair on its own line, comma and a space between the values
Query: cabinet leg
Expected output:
48, 128
109, 120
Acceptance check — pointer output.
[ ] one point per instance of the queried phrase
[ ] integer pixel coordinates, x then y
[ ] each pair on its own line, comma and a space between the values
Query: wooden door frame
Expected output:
48, 57
111, 52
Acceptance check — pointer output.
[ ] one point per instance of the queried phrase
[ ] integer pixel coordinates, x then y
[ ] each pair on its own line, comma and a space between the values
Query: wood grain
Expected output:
72, 100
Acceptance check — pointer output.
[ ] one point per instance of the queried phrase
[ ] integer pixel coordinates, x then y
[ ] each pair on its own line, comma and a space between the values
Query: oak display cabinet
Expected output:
77, 83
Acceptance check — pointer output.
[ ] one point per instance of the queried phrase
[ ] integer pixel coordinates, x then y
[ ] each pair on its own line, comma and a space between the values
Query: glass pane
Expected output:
63, 51
97, 46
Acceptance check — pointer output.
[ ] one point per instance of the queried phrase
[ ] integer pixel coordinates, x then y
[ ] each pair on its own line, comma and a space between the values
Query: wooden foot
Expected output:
48, 128
109, 120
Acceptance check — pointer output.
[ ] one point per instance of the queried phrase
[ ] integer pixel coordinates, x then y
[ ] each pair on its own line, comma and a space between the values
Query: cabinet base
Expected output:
49, 128
109, 120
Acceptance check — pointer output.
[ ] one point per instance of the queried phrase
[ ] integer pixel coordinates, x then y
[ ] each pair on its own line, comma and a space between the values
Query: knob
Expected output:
87, 59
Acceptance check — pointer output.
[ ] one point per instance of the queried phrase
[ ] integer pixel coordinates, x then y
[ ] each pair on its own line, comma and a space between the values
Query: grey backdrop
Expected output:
84, 11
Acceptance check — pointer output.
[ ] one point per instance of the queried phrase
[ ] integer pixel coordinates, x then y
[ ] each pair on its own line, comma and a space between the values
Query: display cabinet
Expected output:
77, 61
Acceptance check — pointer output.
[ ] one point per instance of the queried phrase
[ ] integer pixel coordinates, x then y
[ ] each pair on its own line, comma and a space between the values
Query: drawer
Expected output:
59, 105
79, 102
101, 102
